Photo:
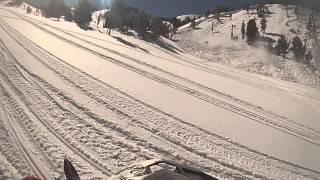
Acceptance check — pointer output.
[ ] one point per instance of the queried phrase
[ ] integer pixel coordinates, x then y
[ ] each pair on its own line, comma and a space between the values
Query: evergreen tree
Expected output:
287, 7
187, 20
82, 14
106, 17
193, 23
282, 46
296, 11
243, 29
298, 49
17, 2
98, 19
29, 10
68, 16
260, 10
252, 31
232, 27
212, 27
55, 9
61, 7
311, 25
141, 23
117, 16
156, 26
263, 25
159, 28
308, 57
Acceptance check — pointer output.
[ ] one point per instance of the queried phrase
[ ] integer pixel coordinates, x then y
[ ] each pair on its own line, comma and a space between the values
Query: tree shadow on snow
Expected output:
266, 39
129, 44
149, 37
196, 28
86, 28
167, 46
174, 40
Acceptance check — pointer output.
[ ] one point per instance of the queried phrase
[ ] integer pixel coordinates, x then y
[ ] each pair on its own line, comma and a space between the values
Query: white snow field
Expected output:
110, 101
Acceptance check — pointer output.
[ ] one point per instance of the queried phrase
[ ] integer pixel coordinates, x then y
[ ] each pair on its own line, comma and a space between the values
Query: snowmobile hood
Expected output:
143, 170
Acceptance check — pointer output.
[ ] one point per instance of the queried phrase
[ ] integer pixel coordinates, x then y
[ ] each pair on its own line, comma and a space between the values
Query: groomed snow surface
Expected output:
110, 101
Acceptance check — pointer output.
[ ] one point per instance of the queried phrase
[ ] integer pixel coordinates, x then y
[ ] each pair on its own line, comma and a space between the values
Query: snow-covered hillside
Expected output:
215, 45
109, 101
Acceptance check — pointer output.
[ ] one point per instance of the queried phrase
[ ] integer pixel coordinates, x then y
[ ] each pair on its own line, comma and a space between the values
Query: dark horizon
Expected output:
172, 8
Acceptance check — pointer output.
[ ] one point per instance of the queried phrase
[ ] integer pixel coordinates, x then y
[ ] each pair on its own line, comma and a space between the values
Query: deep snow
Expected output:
117, 103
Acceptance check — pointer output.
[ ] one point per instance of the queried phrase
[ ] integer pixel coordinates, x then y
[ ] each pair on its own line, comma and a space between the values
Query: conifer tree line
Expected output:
15, 3
81, 14
125, 18
120, 17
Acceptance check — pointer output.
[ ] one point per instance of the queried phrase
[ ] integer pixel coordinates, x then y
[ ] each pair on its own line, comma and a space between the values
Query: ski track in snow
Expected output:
95, 140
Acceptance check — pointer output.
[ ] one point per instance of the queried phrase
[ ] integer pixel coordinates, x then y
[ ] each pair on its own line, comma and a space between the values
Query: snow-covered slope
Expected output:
110, 101
215, 45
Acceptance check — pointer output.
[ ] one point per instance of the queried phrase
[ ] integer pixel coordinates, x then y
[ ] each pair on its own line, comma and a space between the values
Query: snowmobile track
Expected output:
104, 170
12, 155
23, 116
36, 169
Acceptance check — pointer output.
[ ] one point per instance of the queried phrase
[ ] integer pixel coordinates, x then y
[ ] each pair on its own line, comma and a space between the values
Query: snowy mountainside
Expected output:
210, 40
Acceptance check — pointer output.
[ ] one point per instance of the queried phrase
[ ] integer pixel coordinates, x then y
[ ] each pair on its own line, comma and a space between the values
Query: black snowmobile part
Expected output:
70, 171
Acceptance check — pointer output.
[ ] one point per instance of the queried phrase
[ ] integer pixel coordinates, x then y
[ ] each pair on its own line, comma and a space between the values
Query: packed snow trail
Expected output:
89, 109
